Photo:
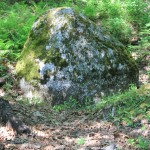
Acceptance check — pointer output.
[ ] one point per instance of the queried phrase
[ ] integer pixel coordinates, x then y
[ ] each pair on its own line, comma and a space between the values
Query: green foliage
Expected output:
3, 68
33, 102
138, 12
127, 106
145, 36
73, 104
140, 143
7, 86
116, 16
14, 26
119, 28
142, 49
89, 8
144, 42
15, 23
81, 141
143, 143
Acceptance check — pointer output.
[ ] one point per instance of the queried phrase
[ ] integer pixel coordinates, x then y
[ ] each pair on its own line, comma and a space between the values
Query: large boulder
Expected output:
68, 56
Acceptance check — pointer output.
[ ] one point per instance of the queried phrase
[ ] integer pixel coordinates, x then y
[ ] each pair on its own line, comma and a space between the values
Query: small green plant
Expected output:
81, 141
29, 101
70, 104
89, 8
131, 142
3, 67
59, 107
145, 36
138, 12
73, 104
143, 143
2, 71
140, 143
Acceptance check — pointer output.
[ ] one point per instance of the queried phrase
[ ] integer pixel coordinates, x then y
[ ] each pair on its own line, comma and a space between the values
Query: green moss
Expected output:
34, 48
55, 58
27, 67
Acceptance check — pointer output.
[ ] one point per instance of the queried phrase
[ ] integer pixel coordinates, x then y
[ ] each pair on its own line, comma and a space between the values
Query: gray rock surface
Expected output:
67, 55
110, 147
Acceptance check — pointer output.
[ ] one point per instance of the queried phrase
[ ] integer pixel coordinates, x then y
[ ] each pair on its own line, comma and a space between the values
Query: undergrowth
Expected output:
142, 49
15, 23
129, 106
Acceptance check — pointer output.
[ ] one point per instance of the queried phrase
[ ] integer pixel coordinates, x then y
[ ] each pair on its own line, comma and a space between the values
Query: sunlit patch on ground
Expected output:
6, 134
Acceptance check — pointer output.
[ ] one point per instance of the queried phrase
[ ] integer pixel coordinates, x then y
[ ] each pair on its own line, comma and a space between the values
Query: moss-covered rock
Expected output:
67, 55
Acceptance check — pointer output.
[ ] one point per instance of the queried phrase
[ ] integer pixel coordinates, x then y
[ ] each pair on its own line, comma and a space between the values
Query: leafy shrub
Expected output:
14, 26
120, 29
118, 17
145, 36
143, 143
140, 143
15, 23
138, 12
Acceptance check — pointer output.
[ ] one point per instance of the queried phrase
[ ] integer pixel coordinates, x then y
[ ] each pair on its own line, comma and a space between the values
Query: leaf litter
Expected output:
66, 130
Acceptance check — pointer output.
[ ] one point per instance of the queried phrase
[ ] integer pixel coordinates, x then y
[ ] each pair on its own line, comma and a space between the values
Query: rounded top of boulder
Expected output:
70, 56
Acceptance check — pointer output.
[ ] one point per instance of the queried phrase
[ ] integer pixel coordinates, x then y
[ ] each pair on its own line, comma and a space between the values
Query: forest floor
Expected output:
70, 130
